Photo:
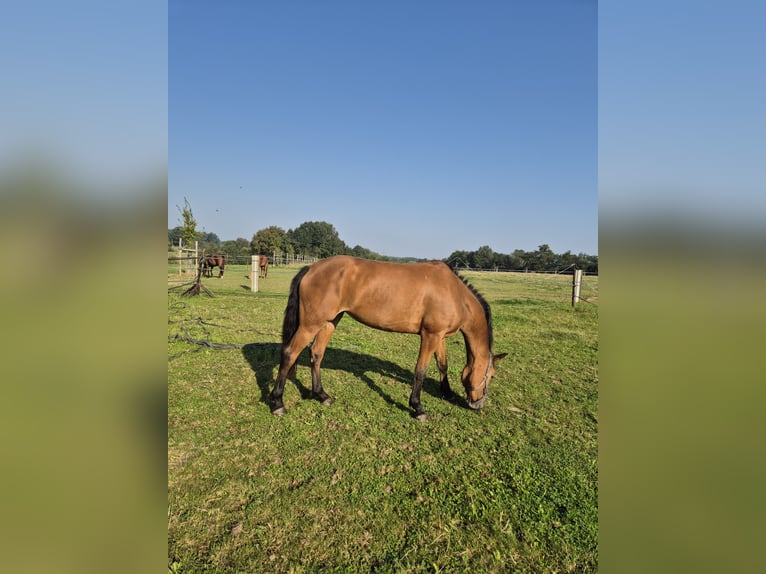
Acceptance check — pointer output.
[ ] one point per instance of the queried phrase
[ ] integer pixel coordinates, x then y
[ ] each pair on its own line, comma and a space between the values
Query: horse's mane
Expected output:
482, 302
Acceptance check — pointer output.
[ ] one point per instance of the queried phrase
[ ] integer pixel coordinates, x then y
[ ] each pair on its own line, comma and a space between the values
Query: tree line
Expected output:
542, 259
320, 239
312, 238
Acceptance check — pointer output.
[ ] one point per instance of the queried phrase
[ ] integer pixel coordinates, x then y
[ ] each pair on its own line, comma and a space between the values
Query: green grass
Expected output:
361, 485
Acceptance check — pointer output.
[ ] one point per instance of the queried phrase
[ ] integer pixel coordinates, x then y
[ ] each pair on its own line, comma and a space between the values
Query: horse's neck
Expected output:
476, 350
476, 335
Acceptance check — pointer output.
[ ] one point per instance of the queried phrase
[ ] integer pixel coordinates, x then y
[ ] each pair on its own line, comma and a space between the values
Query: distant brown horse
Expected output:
209, 261
427, 299
263, 263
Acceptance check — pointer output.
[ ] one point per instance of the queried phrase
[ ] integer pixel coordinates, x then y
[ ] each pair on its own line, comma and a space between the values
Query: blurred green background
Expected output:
681, 455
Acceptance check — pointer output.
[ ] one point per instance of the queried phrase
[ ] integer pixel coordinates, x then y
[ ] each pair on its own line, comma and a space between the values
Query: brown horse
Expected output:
263, 263
427, 299
209, 261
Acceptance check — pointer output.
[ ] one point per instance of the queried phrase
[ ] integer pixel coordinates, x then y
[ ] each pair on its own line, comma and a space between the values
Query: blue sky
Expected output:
85, 88
415, 128
681, 110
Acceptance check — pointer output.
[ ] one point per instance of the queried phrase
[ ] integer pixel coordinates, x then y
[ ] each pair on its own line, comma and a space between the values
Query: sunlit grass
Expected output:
361, 485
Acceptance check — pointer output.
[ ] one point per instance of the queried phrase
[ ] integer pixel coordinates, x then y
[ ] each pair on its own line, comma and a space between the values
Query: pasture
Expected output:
361, 485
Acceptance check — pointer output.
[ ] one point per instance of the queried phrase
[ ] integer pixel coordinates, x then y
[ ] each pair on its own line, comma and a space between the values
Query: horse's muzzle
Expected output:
476, 405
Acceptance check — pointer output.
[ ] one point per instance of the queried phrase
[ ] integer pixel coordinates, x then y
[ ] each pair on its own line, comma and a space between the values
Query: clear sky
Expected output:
681, 110
415, 128
85, 88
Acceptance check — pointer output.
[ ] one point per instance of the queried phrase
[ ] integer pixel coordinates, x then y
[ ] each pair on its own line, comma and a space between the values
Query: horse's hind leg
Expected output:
318, 348
290, 354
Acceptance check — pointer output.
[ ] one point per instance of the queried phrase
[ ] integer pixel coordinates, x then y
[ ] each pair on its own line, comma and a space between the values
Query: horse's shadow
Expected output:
264, 360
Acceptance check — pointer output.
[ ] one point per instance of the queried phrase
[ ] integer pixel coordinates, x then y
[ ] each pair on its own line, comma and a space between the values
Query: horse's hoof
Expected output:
422, 417
328, 401
281, 411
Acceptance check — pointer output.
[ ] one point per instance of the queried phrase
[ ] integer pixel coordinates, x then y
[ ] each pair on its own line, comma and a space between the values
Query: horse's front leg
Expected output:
420, 412
441, 363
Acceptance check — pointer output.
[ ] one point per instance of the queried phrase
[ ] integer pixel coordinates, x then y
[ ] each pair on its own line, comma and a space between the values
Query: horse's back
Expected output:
400, 297
214, 260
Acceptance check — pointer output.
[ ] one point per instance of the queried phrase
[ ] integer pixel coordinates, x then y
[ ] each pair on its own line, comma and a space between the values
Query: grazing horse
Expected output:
426, 299
209, 261
264, 266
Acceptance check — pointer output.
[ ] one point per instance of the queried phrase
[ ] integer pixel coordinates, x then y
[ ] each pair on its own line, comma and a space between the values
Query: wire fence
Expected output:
186, 266
565, 271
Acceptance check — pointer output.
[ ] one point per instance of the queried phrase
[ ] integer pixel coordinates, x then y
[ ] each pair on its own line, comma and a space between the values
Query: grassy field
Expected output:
360, 485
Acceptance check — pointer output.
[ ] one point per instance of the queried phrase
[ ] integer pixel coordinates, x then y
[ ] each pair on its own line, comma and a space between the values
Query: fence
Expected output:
563, 271
185, 261
275, 260
187, 258
291, 259
550, 277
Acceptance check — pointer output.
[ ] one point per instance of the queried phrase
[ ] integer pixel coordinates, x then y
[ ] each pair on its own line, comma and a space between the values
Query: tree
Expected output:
484, 258
269, 240
519, 259
541, 260
503, 261
174, 235
364, 253
546, 258
566, 260
209, 242
238, 250
317, 238
189, 232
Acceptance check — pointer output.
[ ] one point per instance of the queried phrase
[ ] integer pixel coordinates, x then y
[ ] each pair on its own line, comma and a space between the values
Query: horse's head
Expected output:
476, 381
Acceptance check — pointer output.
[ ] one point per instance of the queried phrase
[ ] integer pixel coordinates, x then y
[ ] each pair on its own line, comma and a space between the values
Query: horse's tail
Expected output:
292, 318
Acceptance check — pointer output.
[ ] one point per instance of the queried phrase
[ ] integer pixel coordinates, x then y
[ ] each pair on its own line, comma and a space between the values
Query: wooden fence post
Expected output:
576, 282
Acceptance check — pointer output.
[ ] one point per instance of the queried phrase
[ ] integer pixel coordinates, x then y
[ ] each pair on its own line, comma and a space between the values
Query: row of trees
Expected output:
312, 238
320, 239
542, 259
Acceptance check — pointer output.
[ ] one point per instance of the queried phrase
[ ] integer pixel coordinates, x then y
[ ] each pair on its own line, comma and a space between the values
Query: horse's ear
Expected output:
496, 358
